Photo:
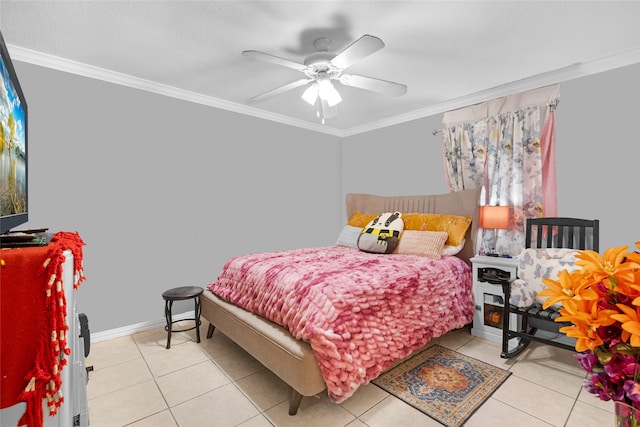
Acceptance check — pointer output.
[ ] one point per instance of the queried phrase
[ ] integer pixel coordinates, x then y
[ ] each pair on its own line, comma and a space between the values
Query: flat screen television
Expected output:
14, 209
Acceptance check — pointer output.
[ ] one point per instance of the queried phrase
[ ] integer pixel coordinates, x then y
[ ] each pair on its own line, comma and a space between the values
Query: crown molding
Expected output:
552, 77
69, 66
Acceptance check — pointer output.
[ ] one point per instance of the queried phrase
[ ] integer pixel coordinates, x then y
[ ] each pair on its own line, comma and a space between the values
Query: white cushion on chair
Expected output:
533, 266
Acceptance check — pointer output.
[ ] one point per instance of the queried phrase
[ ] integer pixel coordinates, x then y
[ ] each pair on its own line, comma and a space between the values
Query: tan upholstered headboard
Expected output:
459, 203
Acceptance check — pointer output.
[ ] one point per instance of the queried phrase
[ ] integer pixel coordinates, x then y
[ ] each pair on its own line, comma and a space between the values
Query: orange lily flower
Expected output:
630, 324
586, 337
586, 319
604, 268
570, 286
634, 256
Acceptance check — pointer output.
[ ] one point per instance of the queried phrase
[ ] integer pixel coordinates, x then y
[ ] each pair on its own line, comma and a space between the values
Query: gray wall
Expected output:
164, 191
404, 159
597, 155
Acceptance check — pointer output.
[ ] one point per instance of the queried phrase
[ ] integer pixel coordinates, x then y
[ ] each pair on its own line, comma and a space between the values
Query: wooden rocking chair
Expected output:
532, 323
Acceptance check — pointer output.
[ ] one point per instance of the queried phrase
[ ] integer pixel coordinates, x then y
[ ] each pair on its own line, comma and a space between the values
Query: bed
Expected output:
335, 318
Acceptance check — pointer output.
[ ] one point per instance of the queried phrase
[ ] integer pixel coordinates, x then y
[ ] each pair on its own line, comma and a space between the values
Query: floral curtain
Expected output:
506, 146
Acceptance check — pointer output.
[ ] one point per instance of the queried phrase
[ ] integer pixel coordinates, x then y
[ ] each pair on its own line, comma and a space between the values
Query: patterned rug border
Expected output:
450, 415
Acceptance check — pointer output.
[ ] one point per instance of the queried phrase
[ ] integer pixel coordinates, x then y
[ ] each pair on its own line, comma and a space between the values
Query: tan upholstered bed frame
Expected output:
293, 360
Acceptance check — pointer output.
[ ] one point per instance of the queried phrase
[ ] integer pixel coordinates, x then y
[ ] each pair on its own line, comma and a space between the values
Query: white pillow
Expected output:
449, 250
349, 236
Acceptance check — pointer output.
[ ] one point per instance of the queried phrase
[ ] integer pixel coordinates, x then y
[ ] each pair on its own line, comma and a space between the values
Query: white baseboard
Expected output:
138, 327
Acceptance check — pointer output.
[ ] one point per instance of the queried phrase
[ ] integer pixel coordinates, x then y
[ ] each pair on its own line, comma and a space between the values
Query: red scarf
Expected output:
33, 328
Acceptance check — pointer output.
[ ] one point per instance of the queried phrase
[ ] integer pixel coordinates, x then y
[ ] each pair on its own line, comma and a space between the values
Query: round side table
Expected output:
179, 294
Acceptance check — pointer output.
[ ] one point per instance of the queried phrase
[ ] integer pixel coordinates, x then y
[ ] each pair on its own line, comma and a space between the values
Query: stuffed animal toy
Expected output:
382, 234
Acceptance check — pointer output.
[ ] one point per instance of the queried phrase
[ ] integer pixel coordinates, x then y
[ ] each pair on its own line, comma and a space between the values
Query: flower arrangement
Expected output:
601, 300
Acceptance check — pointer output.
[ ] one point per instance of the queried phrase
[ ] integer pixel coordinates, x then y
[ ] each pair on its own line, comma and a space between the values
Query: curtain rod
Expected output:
552, 105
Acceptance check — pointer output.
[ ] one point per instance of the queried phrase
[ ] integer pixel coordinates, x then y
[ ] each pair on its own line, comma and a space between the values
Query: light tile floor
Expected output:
137, 382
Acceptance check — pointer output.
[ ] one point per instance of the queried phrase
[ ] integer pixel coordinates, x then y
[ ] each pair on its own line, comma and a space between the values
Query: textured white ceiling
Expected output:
448, 53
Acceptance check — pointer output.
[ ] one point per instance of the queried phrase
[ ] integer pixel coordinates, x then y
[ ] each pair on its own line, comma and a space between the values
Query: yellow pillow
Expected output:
456, 226
361, 220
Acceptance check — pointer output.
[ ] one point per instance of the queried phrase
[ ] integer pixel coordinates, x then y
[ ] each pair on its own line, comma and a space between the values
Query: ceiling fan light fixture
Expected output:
311, 94
328, 92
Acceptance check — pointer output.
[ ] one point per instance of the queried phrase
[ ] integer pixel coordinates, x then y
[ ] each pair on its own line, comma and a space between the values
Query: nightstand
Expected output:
489, 299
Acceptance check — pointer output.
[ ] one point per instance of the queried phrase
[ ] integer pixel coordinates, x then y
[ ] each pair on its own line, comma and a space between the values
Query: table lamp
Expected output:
496, 217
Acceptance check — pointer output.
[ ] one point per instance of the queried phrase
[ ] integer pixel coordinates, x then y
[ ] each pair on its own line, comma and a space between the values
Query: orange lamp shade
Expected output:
494, 217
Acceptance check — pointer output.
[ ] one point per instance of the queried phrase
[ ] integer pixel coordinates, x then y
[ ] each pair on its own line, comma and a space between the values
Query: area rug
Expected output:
446, 385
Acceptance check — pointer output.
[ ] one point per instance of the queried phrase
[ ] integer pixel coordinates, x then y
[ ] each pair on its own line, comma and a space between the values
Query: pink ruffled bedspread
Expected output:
360, 312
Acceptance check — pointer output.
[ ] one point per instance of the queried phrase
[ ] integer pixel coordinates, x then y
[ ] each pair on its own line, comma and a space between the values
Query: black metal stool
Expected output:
178, 294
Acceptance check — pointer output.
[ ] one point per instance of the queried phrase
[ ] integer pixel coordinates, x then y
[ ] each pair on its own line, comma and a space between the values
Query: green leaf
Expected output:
625, 348
604, 355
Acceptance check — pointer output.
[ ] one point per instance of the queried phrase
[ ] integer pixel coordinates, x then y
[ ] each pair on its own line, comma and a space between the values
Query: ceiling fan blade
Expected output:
274, 59
376, 85
356, 51
281, 89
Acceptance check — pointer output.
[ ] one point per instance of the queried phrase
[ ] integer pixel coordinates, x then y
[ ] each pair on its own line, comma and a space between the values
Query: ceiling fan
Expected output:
323, 67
